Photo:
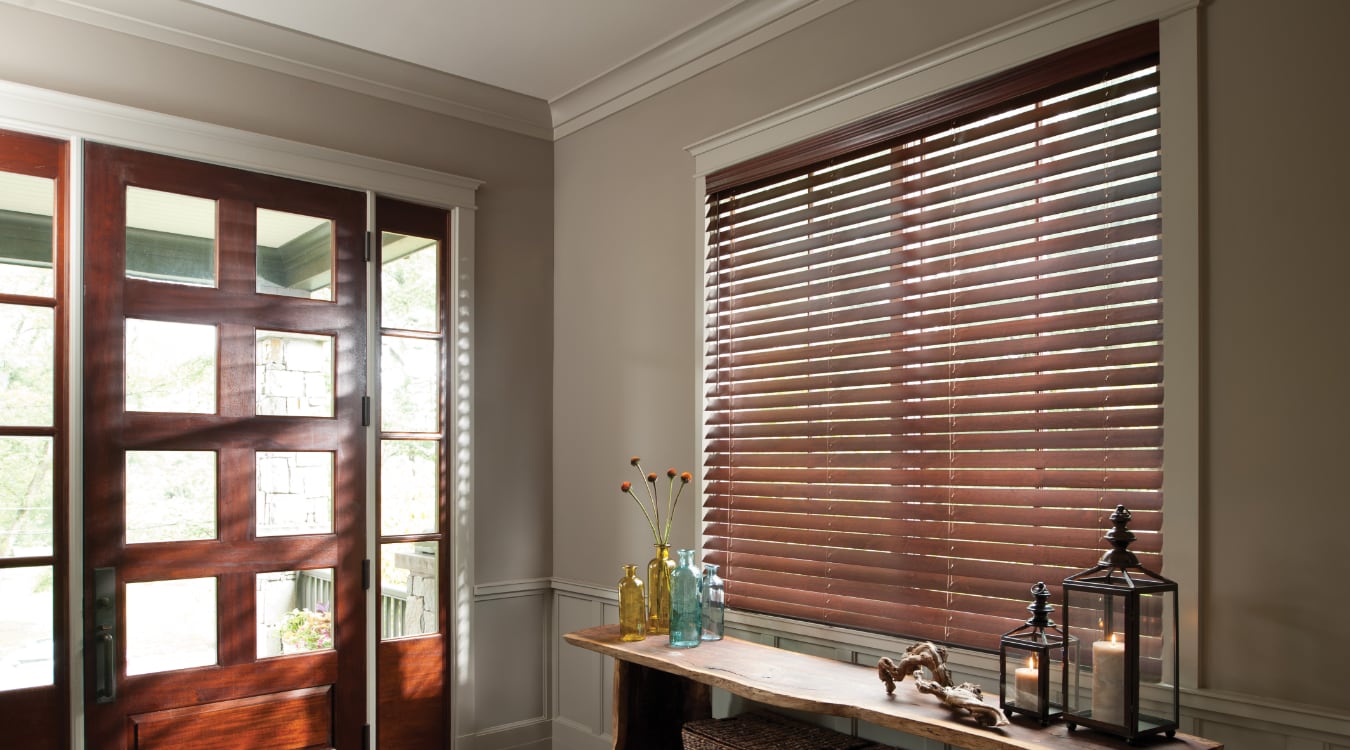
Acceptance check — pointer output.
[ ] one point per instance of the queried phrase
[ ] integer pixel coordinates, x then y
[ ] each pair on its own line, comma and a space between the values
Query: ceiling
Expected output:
540, 67
542, 48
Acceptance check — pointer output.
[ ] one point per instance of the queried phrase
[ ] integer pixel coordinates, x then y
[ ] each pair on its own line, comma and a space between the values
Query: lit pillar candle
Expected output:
1028, 685
1108, 681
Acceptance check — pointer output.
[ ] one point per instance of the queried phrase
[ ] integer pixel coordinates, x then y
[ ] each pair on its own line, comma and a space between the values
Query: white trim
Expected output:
1020, 40
586, 590
74, 303
210, 31
35, 110
509, 589
463, 327
701, 48
1179, 96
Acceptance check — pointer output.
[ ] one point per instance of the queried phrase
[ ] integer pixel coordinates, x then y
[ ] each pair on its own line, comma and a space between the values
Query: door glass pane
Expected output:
171, 237
295, 255
295, 612
27, 362
26, 207
25, 496
295, 374
170, 367
171, 625
409, 589
409, 288
409, 483
27, 656
295, 493
410, 373
171, 496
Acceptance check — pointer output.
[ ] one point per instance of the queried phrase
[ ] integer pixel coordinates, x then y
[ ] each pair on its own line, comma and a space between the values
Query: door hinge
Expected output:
365, 575
365, 737
370, 245
365, 411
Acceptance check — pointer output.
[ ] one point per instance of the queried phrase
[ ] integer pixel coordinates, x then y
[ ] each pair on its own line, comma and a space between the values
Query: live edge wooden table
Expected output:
658, 688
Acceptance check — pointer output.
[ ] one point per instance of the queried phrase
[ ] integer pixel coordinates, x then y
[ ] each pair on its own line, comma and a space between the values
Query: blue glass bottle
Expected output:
686, 616
714, 603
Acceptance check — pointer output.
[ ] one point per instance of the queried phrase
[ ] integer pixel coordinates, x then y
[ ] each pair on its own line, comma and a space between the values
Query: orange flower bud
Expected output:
686, 477
626, 486
634, 460
651, 477
670, 473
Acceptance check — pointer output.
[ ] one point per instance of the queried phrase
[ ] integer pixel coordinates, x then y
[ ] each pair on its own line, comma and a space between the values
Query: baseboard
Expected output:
534, 734
568, 735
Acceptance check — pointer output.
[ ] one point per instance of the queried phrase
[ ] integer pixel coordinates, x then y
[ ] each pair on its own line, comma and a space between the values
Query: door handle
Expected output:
105, 639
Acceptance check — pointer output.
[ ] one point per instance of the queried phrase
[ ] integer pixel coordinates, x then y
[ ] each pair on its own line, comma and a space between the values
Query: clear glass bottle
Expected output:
686, 617
714, 605
658, 591
632, 606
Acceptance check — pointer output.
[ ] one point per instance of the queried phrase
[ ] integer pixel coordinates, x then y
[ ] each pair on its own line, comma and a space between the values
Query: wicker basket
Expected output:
766, 731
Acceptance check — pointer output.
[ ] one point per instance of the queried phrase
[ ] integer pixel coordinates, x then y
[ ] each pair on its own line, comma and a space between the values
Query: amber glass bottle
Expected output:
658, 591
632, 606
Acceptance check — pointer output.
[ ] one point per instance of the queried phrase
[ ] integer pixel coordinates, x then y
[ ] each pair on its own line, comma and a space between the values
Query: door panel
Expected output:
224, 454
33, 443
413, 653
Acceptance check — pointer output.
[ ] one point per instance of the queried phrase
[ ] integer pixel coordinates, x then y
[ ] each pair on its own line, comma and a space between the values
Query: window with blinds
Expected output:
934, 351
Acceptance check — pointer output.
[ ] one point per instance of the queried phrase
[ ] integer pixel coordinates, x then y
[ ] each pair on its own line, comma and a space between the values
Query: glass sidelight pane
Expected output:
409, 282
171, 496
25, 496
295, 612
27, 204
27, 364
295, 493
294, 374
170, 367
295, 255
410, 379
171, 237
409, 486
170, 625
27, 655
409, 589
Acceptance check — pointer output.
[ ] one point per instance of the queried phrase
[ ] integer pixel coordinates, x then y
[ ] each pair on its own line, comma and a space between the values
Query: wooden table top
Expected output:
791, 680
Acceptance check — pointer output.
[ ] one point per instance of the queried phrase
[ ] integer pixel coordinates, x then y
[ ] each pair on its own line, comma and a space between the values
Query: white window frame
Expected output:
971, 59
27, 109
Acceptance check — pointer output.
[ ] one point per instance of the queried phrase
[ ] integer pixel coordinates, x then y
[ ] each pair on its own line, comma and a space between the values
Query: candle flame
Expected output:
1113, 637
1031, 661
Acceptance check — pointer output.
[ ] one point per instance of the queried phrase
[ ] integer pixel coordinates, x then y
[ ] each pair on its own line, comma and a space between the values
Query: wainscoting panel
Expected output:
582, 685
512, 660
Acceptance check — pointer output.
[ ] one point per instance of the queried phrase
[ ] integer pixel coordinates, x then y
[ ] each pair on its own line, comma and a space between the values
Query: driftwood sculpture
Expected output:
966, 696
917, 656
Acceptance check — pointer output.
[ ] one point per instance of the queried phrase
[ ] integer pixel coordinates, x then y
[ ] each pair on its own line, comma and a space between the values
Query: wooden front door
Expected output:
224, 450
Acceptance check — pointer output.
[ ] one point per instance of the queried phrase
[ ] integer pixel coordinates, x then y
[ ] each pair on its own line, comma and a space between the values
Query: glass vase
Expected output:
658, 591
714, 603
686, 616
632, 606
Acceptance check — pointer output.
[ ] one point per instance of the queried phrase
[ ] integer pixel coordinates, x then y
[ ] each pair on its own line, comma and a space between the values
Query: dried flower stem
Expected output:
645, 514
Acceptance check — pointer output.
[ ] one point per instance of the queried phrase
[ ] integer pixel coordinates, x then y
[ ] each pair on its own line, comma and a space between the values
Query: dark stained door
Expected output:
225, 371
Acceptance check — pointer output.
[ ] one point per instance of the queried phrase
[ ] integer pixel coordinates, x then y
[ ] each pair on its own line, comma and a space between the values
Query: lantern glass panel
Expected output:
1156, 663
1097, 619
1021, 679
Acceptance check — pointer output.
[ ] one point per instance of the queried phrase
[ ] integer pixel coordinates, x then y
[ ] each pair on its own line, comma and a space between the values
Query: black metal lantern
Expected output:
1043, 659
1129, 615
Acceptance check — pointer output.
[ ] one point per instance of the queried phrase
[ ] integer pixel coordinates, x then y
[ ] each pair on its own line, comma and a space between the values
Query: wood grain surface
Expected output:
786, 679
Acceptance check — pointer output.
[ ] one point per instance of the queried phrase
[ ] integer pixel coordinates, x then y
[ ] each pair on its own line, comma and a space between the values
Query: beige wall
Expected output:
514, 263
1278, 501
1274, 397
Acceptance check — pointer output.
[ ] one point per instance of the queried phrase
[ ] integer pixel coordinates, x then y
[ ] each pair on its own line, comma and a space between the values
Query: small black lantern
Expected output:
1043, 657
1129, 615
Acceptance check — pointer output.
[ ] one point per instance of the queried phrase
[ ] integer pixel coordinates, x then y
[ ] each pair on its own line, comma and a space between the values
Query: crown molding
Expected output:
683, 56
218, 33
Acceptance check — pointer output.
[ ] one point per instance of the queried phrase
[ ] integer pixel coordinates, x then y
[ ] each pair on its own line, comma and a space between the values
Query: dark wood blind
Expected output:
934, 358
